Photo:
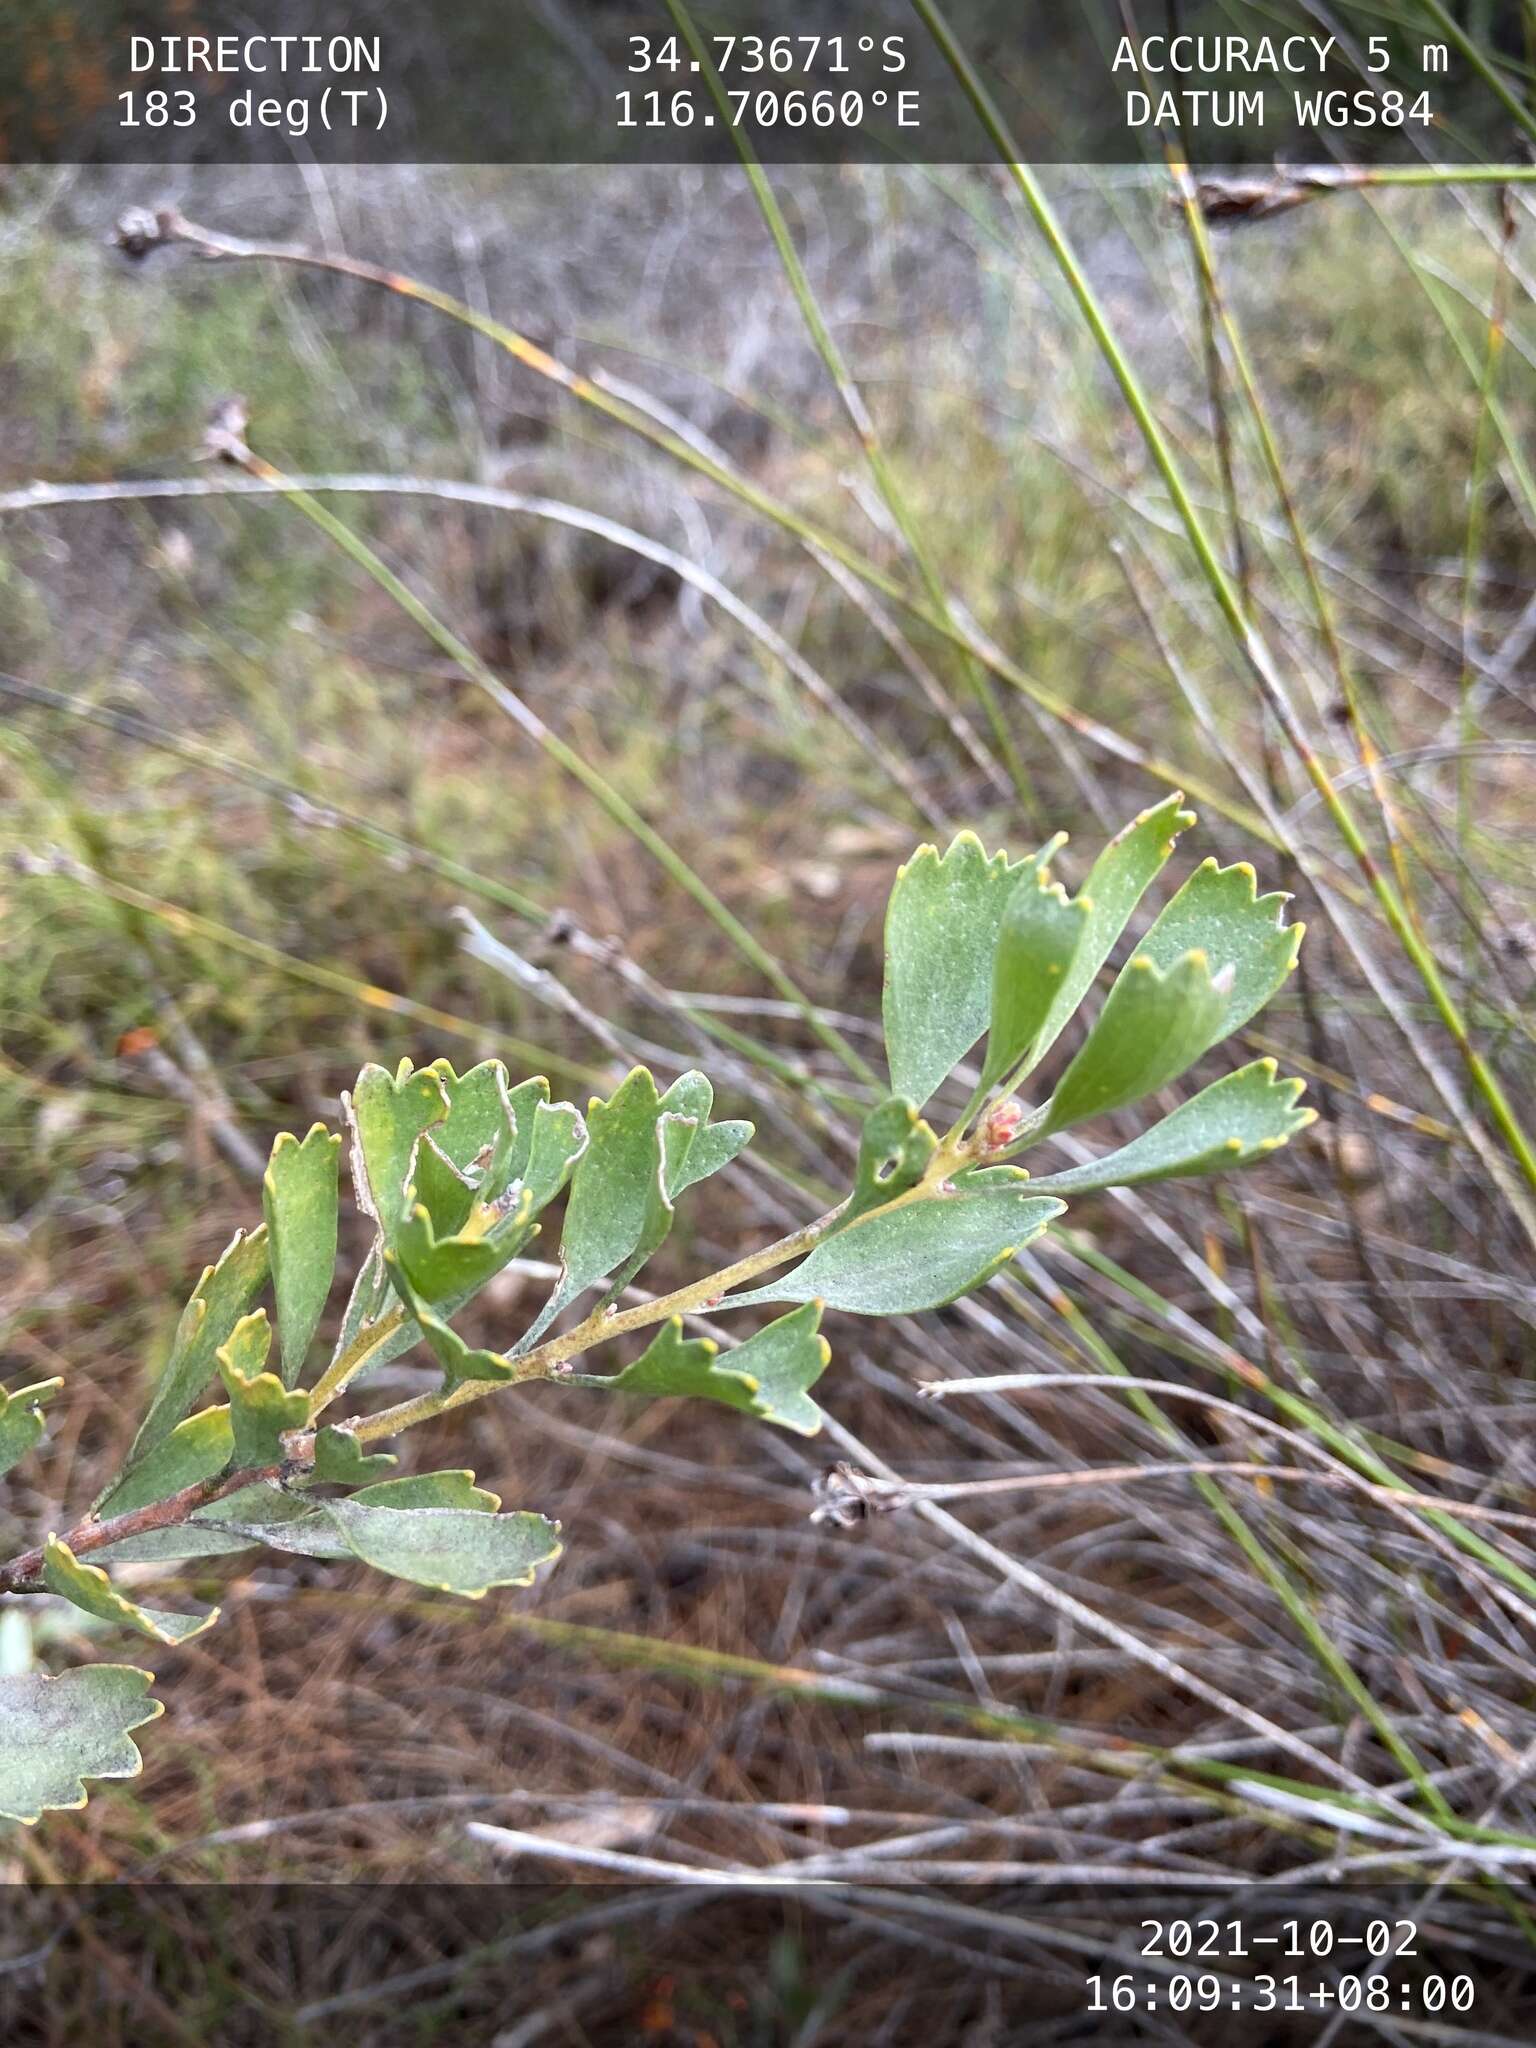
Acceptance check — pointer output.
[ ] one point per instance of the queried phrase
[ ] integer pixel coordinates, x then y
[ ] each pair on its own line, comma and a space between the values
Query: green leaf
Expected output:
303, 1527
89, 1588
684, 1111
451, 1489
451, 1550
941, 928
455, 1156
557, 1139
57, 1732
693, 1154
261, 1513
691, 1149
783, 1361
918, 1254
1153, 1026
768, 1376
196, 1449
171, 1546
673, 1364
21, 1420
236, 1522
340, 1459
387, 1114
548, 1140
1116, 883
220, 1299
299, 1200
712, 1149
452, 1269
615, 1186
895, 1146
1041, 932
261, 1410
1236, 1120
458, 1360
493, 1139
1219, 912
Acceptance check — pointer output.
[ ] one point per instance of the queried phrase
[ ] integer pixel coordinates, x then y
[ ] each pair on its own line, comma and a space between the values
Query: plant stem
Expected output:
546, 1360
19, 1574
369, 1339
543, 1363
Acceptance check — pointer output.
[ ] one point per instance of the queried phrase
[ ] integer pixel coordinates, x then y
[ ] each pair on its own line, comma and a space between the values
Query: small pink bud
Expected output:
1001, 1125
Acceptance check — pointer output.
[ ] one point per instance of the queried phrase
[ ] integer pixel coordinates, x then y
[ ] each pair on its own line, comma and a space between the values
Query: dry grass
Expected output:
705, 1657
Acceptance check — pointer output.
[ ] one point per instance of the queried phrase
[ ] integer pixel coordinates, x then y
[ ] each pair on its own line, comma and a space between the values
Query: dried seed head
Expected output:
1234, 202
845, 1496
224, 436
137, 232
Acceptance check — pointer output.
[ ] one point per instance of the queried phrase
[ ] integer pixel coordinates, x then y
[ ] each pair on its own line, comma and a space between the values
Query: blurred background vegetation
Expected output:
243, 797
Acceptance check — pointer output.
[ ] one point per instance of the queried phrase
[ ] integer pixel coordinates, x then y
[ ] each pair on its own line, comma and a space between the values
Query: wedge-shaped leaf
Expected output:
493, 1139
614, 1191
237, 1521
387, 1114
21, 1420
174, 1545
784, 1361
1152, 1028
454, 1156
196, 1449
220, 1299
694, 1148
304, 1527
684, 1113
299, 1201
941, 928
768, 1376
714, 1147
1042, 930
1236, 1120
1220, 913
549, 1139
1115, 884
89, 1588
451, 1489
674, 1364
340, 1459
919, 1253
557, 1138
260, 1514
895, 1146
261, 1409
452, 1269
514, 1151
57, 1732
453, 1550
460, 1361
